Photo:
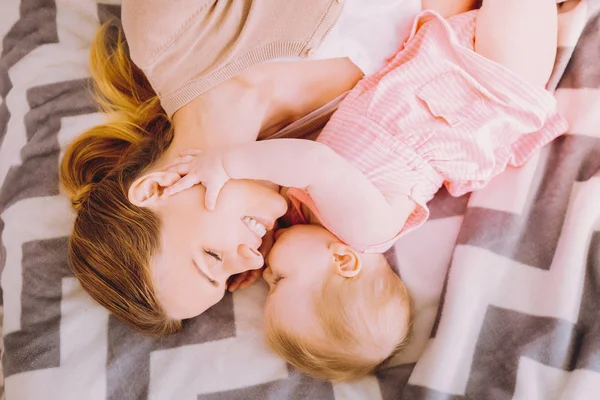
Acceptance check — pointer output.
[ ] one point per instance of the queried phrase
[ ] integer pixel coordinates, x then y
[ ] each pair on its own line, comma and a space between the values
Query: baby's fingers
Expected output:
252, 276
184, 183
179, 160
235, 282
190, 152
181, 169
210, 198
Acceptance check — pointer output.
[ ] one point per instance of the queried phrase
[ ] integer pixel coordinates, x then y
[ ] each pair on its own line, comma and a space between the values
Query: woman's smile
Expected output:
255, 227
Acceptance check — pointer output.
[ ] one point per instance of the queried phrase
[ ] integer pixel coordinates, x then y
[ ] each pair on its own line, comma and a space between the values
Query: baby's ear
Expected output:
347, 262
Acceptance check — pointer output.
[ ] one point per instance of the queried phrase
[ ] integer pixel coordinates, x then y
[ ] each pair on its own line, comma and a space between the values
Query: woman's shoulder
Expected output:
150, 26
189, 46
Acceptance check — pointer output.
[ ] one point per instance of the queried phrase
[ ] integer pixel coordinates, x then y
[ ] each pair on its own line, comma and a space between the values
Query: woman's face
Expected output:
201, 249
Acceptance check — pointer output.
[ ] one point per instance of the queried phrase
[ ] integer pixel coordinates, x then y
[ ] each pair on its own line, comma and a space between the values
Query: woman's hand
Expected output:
197, 166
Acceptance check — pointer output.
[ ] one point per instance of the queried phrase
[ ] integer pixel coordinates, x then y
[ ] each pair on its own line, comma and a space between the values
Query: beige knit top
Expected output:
186, 47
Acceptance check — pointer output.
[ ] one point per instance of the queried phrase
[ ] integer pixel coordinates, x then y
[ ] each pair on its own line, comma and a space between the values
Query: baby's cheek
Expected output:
270, 310
280, 252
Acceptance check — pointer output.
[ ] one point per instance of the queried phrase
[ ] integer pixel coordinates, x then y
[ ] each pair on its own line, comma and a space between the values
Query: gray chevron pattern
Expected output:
506, 281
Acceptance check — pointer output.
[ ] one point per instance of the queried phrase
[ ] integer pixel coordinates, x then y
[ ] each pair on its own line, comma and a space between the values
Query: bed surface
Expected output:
506, 282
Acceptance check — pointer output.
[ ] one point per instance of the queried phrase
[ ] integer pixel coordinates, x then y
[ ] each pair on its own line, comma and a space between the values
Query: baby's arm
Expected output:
448, 8
352, 206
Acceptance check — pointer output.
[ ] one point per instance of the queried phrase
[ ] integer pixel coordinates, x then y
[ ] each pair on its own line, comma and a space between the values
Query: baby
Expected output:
462, 100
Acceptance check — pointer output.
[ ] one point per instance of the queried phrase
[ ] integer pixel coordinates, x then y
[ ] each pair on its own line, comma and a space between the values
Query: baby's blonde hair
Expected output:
363, 321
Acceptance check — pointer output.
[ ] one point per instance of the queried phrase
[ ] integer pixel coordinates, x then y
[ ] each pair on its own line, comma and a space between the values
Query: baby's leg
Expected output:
519, 34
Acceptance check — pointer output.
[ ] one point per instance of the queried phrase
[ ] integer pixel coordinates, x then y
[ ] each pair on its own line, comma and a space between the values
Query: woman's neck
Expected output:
260, 101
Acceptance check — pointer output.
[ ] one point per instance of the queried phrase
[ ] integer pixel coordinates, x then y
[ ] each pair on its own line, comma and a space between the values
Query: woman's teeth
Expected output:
256, 227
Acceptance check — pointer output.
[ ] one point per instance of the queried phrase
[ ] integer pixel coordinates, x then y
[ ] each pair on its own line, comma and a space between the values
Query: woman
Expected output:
152, 259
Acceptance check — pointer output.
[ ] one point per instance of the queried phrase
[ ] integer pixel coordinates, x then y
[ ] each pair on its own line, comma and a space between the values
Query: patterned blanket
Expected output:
506, 282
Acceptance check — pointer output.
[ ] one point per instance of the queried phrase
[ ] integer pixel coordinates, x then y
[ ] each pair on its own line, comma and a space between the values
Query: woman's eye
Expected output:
213, 255
277, 279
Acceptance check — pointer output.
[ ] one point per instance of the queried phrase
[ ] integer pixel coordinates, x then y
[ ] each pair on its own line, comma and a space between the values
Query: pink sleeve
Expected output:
416, 219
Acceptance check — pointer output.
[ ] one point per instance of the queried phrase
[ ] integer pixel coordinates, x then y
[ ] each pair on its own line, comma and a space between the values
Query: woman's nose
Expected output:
251, 257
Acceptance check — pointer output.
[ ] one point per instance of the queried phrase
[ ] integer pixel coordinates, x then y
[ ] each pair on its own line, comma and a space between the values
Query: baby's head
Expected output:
332, 312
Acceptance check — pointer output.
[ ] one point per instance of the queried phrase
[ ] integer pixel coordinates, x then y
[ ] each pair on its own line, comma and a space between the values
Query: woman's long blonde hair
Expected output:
112, 240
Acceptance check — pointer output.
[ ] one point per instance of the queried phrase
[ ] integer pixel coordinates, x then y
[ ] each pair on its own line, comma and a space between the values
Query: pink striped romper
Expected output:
437, 114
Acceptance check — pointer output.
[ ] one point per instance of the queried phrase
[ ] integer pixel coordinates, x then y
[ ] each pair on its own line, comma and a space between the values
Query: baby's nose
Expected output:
267, 274
280, 232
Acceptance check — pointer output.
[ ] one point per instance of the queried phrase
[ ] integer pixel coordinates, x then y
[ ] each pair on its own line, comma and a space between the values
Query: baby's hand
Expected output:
197, 166
245, 279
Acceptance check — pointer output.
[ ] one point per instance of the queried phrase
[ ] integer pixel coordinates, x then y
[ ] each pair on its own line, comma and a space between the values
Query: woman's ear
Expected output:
148, 188
347, 261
